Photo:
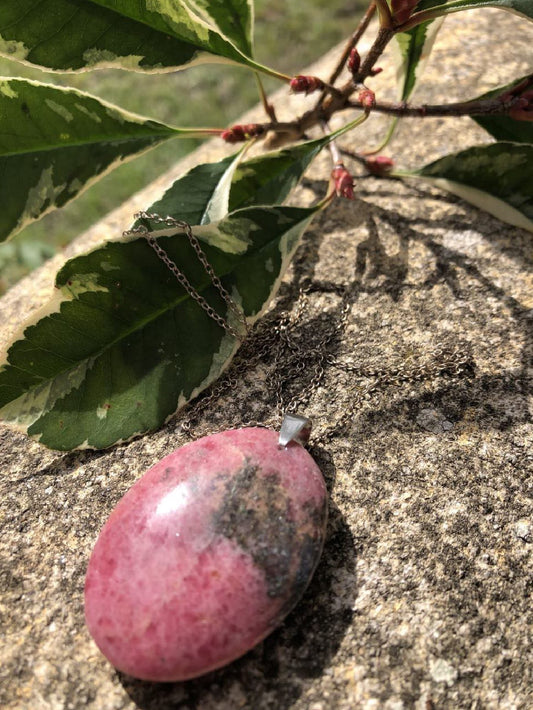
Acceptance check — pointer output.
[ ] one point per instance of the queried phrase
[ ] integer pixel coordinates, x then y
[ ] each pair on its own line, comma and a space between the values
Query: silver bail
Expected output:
294, 428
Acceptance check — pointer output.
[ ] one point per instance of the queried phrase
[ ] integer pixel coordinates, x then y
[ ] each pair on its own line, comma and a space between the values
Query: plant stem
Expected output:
334, 103
335, 155
354, 156
384, 36
260, 68
269, 108
493, 105
352, 42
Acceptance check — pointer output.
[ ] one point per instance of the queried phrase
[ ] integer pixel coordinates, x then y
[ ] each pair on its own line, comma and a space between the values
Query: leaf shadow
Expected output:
500, 399
65, 464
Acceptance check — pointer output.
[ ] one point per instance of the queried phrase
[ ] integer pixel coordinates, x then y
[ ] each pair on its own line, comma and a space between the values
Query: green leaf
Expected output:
414, 49
121, 346
505, 128
518, 7
496, 178
55, 142
146, 35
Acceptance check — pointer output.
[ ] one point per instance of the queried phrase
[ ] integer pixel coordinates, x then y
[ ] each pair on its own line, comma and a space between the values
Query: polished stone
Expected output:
205, 555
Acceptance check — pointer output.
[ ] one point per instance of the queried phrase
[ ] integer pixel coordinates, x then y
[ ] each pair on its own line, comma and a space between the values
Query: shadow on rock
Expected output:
276, 672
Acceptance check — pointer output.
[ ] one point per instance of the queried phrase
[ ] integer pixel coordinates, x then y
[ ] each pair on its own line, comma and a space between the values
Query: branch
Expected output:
352, 42
497, 105
384, 36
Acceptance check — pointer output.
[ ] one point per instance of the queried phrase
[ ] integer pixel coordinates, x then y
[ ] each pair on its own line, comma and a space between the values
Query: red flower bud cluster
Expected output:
522, 97
305, 84
354, 61
342, 181
367, 99
239, 133
380, 165
402, 10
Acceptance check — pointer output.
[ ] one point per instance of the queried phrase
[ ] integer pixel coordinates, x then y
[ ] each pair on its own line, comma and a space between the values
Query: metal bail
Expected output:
294, 428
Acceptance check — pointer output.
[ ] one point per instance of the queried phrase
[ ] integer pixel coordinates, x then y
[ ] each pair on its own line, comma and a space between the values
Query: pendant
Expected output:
207, 553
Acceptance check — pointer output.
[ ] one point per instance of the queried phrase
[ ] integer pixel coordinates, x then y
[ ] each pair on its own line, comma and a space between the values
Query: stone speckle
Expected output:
522, 530
442, 672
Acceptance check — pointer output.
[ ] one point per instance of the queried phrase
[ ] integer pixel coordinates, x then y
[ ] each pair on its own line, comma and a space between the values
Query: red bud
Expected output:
380, 165
342, 181
354, 61
367, 99
239, 133
305, 84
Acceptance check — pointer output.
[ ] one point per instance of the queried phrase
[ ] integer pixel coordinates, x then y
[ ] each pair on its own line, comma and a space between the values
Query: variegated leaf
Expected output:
55, 142
496, 178
121, 345
147, 35
414, 49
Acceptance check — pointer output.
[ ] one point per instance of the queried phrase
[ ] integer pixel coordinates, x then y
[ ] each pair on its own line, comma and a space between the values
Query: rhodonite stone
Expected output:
205, 555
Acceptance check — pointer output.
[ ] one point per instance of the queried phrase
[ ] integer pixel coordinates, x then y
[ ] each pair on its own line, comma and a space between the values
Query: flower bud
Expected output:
342, 181
239, 133
380, 165
305, 84
354, 61
367, 99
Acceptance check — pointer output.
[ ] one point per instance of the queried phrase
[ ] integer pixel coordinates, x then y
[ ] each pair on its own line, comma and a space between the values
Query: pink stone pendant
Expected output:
205, 555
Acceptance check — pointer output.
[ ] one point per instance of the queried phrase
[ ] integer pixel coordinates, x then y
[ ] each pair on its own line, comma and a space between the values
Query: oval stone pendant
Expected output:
205, 555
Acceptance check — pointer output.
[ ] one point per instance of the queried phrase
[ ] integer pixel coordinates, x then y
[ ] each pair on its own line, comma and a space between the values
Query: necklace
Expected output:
216, 543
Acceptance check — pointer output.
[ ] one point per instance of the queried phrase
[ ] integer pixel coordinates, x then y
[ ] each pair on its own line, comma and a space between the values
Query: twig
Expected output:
384, 36
354, 156
352, 42
269, 108
495, 105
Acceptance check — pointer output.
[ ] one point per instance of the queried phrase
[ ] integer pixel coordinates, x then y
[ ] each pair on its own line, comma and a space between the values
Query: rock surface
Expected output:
423, 595
205, 554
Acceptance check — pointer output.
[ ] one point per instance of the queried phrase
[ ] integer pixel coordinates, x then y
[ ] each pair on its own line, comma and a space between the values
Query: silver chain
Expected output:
289, 360
168, 221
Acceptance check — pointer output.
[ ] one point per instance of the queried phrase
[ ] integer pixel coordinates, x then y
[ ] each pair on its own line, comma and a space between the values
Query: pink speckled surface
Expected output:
205, 555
